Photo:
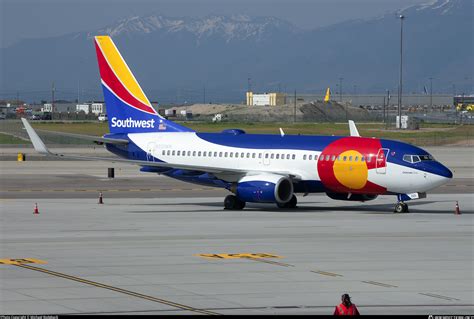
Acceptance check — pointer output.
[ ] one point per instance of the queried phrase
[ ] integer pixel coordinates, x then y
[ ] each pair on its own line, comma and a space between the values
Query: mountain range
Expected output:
179, 59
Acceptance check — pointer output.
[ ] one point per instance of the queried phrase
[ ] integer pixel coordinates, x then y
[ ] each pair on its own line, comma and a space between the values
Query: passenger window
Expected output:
310, 157
242, 155
215, 154
172, 153
199, 153
272, 156
266, 155
350, 158
339, 157
225, 154
304, 157
168, 152
248, 155
344, 158
163, 153
357, 158
278, 156
178, 153
231, 154
333, 158
260, 155
236, 154
194, 153
253, 155
293, 156
316, 157
362, 159
220, 154
327, 157
287, 156
369, 158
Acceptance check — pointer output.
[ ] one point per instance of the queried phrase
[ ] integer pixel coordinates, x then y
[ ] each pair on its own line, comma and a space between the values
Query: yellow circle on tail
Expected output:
351, 173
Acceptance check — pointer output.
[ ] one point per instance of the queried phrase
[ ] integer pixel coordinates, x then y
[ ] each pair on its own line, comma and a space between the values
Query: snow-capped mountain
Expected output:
231, 28
174, 58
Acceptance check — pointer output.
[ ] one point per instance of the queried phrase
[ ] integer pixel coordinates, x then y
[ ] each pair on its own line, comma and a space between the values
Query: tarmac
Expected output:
160, 246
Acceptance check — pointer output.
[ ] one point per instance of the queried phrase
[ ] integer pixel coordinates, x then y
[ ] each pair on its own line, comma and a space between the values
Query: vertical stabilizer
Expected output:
128, 108
327, 97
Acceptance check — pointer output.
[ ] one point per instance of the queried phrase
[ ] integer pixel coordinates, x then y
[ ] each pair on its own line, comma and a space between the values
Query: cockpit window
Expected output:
417, 158
407, 158
427, 157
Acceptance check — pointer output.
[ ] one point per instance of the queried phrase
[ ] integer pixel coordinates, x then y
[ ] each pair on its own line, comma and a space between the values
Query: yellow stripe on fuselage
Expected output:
118, 65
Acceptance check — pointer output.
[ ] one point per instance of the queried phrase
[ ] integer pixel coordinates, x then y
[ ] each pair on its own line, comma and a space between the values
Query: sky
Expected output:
46, 18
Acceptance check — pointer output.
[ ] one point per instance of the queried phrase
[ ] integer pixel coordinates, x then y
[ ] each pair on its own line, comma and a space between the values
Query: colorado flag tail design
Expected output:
128, 108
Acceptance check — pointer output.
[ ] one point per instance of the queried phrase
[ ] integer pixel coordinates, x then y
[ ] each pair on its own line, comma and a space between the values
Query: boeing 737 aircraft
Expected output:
256, 168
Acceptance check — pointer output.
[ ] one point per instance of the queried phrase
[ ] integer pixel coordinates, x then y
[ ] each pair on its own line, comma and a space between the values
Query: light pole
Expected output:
402, 17
431, 94
340, 89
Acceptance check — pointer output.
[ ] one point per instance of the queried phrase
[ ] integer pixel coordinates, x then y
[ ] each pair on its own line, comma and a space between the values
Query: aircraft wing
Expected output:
89, 137
41, 148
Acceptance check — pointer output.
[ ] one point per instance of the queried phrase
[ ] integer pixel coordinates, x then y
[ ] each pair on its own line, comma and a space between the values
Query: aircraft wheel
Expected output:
290, 204
405, 208
293, 201
231, 202
401, 207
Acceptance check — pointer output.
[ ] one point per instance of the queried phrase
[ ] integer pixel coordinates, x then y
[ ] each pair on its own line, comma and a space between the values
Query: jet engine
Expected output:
264, 188
352, 197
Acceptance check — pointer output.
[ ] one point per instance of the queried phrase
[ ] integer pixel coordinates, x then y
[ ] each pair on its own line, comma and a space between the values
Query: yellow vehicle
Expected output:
464, 102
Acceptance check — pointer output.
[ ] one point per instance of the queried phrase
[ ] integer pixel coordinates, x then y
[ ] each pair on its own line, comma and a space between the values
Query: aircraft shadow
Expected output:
367, 209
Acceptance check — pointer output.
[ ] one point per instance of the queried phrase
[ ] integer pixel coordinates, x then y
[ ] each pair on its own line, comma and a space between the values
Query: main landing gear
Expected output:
401, 207
232, 202
290, 204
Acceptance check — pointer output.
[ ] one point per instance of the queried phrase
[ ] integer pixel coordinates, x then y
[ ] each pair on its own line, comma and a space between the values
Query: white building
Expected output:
266, 99
97, 108
47, 107
83, 107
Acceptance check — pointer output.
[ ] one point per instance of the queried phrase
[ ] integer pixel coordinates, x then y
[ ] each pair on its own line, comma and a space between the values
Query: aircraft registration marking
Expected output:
21, 261
240, 255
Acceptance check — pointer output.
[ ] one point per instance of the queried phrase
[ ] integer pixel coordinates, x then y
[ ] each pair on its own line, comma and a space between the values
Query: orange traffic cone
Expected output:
457, 211
100, 198
36, 211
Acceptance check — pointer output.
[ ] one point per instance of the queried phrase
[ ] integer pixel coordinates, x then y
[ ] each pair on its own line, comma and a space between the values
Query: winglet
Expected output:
281, 132
353, 128
35, 139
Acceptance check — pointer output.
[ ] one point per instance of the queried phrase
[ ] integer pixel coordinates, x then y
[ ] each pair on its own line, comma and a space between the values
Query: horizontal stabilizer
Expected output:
107, 140
35, 139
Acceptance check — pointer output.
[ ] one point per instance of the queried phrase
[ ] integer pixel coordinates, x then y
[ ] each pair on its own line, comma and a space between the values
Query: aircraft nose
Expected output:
441, 170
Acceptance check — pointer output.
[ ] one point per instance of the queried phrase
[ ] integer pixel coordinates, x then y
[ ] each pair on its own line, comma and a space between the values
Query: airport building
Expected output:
265, 99
97, 108
94, 108
83, 108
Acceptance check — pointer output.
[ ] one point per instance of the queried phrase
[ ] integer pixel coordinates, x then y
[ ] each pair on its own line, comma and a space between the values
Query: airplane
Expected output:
257, 168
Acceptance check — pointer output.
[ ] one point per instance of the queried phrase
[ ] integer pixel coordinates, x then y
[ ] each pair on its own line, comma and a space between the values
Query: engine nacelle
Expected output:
352, 197
264, 188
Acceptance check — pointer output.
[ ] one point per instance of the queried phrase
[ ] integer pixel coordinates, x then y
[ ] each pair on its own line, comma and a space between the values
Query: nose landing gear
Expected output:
401, 207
